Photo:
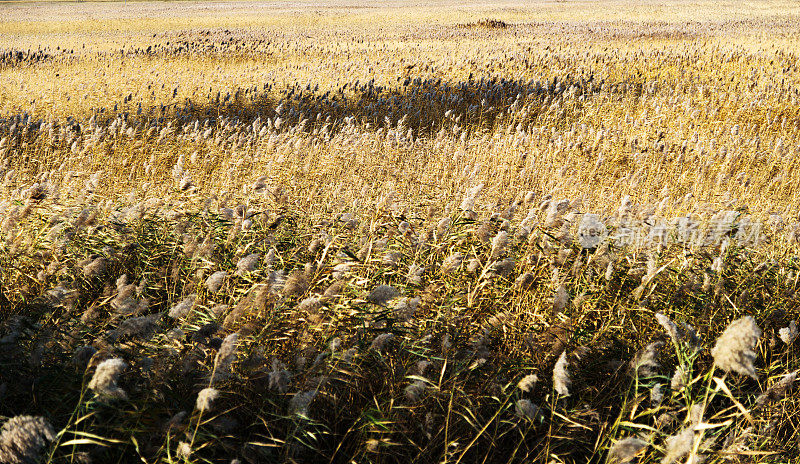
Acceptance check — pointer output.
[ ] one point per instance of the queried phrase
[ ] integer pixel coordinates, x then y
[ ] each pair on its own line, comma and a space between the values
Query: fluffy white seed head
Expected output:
591, 231
404, 308
526, 409
104, 381
560, 299
415, 273
670, 327
777, 390
735, 348
468, 203
645, 363
142, 327
215, 281
296, 283
182, 309
95, 268
247, 264
678, 380
499, 243
22, 439
789, 334
528, 382
656, 395
561, 380
452, 263
626, 450
695, 415
310, 304
678, 445
206, 398
341, 270
442, 227
184, 450
382, 294
225, 357
684, 333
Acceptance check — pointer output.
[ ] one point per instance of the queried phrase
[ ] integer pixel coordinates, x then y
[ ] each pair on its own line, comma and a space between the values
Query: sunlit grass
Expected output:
359, 231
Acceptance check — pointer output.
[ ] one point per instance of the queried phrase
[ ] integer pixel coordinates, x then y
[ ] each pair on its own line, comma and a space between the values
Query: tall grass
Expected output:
569, 241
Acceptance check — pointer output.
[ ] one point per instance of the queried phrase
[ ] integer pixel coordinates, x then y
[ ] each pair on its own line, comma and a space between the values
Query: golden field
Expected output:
399, 232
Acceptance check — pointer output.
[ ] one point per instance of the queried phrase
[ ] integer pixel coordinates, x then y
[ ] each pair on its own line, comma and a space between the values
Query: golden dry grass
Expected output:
712, 74
309, 153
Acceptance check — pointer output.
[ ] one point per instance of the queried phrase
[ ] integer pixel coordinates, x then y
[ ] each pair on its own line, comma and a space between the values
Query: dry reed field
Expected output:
401, 232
